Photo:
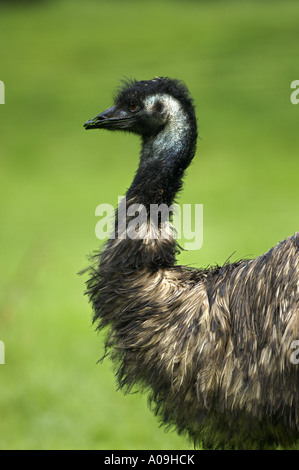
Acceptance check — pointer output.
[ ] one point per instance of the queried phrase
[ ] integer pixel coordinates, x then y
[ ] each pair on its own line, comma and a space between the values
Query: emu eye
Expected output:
133, 107
158, 107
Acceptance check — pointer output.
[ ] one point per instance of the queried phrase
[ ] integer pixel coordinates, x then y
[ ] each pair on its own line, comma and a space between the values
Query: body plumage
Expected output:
211, 347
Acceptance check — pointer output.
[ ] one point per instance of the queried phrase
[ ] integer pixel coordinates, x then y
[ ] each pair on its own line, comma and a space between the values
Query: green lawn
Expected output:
60, 62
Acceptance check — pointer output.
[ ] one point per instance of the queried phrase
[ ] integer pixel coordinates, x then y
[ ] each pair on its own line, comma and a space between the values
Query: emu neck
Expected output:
164, 158
141, 242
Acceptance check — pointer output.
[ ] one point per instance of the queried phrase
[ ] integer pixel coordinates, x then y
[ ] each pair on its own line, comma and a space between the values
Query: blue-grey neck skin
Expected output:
172, 142
166, 154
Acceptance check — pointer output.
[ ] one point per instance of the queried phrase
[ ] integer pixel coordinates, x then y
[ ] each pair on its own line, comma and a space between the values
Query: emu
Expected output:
211, 347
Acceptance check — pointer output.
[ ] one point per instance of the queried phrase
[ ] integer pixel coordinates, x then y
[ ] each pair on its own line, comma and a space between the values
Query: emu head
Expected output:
146, 107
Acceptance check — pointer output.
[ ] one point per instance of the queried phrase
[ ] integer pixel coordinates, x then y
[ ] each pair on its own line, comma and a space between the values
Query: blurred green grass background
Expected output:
60, 62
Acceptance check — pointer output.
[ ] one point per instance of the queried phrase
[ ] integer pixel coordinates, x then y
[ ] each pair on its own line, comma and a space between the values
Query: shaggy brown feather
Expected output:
213, 347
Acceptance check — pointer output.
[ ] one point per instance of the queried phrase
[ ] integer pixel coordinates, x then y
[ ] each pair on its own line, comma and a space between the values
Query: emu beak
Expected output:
102, 119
